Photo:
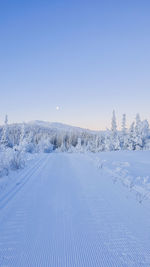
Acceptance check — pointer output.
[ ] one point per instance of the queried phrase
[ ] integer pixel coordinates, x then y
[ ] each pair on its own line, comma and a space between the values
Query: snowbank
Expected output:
131, 168
10, 159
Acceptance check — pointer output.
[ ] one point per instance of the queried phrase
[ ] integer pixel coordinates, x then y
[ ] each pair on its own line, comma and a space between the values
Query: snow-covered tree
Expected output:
22, 133
138, 123
79, 146
115, 143
123, 136
138, 137
4, 138
131, 137
107, 141
44, 145
114, 123
124, 129
145, 134
63, 145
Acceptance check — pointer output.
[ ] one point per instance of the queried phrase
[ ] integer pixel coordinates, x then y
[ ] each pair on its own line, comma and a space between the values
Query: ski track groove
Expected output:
16, 187
60, 217
14, 228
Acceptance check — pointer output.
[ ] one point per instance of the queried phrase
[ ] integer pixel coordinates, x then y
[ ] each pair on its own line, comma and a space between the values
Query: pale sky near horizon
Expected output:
85, 57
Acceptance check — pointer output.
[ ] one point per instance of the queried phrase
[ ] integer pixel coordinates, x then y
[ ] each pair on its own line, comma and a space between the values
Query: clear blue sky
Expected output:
88, 57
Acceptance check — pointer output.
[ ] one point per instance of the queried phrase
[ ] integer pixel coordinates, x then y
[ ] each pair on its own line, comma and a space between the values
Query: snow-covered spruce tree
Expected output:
13, 134
26, 142
66, 141
92, 144
22, 133
131, 137
101, 142
44, 145
72, 142
107, 140
145, 134
139, 134
115, 143
114, 123
89, 146
29, 145
124, 136
62, 147
95, 143
98, 143
79, 147
124, 129
4, 138
138, 137
22, 140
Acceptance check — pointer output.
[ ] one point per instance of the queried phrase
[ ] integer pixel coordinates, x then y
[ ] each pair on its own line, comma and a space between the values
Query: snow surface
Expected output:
131, 168
70, 210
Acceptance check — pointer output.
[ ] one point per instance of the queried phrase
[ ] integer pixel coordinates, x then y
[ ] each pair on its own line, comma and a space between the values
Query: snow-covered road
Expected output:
64, 212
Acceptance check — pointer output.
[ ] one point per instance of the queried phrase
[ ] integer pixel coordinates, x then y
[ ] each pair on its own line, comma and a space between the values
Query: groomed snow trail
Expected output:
66, 213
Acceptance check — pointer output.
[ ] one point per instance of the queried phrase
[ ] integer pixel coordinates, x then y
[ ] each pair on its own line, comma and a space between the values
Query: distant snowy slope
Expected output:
56, 125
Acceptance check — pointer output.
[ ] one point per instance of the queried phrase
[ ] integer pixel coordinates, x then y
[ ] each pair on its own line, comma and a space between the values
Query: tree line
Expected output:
34, 138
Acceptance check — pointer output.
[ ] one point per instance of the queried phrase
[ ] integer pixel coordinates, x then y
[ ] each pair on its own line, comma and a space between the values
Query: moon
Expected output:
57, 108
